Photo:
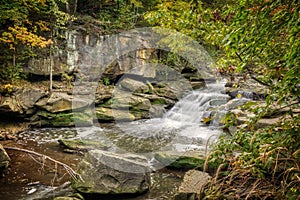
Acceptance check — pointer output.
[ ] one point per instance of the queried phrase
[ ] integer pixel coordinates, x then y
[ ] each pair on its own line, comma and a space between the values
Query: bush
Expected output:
12, 73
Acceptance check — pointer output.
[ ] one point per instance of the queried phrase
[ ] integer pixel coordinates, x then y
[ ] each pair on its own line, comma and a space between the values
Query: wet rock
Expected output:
10, 130
127, 101
247, 88
192, 184
108, 114
182, 160
62, 119
157, 111
197, 84
158, 100
110, 173
64, 191
82, 145
4, 159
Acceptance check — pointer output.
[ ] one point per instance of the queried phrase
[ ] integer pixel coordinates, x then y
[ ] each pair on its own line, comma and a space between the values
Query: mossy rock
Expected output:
158, 101
63, 119
82, 145
107, 114
182, 160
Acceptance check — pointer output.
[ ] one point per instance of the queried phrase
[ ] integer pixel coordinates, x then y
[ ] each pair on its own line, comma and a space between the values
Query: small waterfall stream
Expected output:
192, 107
180, 129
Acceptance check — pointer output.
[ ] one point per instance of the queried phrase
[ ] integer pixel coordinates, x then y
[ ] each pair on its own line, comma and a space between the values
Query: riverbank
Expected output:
29, 177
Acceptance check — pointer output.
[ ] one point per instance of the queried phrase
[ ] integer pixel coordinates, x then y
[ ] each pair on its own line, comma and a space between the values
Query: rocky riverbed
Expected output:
33, 178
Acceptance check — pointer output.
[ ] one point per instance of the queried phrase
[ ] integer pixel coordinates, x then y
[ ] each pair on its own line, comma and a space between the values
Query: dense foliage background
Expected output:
257, 39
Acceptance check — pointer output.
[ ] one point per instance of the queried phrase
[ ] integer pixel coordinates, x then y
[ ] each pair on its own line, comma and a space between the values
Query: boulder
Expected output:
103, 93
157, 100
130, 102
173, 90
193, 183
108, 114
109, 173
181, 160
11, 105
157, 111
247, 88
28, 97
134, 85
61, 102
4, 159
21, 102
62, 119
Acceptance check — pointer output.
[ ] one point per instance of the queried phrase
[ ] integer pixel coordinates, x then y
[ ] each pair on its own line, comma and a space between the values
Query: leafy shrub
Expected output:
12, 73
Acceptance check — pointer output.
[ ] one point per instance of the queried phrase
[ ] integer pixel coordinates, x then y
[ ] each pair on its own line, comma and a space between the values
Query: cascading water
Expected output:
180, 129
192, 107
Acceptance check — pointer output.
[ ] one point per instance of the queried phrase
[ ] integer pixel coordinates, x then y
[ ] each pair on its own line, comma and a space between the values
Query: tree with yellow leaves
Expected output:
27, 24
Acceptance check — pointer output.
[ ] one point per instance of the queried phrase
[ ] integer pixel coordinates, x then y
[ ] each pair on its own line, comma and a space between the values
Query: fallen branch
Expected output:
75, 176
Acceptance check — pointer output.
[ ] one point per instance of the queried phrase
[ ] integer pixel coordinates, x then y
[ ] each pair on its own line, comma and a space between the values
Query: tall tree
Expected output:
20, 25
29, 24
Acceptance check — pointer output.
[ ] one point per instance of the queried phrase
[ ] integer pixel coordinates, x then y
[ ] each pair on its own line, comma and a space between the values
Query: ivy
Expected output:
258, 39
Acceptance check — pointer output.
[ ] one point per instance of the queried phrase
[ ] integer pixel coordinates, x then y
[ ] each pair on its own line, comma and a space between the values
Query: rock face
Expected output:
115, 74
21, 102
192, 184
4, 159
109, 173
67, 58
131, 100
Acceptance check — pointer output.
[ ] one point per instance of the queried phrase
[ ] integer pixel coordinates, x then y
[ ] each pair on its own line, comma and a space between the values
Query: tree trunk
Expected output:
14, 58
75, 7
51, 67
67, 8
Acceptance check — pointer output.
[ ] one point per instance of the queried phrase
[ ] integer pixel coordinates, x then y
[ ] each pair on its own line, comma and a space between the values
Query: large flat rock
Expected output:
111, 173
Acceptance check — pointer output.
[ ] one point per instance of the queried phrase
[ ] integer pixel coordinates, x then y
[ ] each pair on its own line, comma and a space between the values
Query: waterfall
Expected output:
197, 104
181, 128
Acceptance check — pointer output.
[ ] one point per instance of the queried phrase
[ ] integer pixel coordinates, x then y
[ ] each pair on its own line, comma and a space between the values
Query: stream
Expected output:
179, 130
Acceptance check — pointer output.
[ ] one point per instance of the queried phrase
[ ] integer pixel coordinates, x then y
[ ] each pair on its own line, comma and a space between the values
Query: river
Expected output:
180, 130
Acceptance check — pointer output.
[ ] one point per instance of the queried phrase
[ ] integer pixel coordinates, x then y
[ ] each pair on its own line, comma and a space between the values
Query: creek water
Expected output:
180, 129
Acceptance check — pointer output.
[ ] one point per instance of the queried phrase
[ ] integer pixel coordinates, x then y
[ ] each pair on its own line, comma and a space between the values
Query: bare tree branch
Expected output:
75, 176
